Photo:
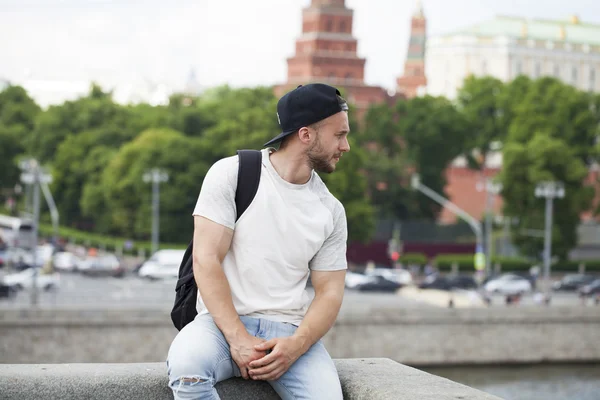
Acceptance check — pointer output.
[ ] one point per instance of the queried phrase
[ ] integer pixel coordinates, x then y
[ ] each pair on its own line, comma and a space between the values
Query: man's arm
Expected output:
323, 311
319, 318
211, 243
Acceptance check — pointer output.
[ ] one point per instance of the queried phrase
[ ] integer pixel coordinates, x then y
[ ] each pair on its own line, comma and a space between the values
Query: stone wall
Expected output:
377, 379
416, 337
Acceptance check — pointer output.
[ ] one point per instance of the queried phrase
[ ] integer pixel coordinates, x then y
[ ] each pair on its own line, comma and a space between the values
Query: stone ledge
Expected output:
370, 378
381, 315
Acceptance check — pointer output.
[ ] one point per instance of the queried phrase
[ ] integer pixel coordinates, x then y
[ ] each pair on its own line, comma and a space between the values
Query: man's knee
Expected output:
191, 386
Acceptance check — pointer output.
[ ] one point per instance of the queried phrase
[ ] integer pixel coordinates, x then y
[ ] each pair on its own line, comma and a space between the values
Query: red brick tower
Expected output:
414, 69
326, 52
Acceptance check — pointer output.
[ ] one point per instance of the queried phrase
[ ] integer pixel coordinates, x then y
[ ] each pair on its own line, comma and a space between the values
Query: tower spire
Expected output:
414, 80
418, 13
326, 52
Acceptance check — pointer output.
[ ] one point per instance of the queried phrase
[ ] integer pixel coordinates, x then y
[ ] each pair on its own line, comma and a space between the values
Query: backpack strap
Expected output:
248, 179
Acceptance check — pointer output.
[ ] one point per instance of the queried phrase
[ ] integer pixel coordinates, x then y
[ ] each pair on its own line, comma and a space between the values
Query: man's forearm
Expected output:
319, 318
216, 295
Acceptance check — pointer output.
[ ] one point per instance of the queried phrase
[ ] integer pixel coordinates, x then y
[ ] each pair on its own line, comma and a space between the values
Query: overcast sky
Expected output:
240, 42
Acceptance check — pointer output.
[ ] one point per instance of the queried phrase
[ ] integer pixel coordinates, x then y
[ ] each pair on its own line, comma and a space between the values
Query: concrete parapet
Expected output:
418, 337
377, 379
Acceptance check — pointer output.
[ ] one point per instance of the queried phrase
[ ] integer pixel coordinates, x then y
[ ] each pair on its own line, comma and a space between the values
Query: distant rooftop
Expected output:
571, 30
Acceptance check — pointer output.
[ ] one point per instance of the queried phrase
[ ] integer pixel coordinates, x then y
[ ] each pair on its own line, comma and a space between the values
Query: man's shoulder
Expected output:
226, 167
327, 198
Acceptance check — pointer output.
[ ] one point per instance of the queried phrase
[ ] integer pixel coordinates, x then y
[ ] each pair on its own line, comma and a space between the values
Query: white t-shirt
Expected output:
286, 230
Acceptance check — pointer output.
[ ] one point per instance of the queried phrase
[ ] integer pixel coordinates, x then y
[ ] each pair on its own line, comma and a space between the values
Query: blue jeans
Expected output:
200, 352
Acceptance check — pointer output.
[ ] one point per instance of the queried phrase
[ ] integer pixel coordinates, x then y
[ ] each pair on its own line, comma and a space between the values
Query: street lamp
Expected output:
475, 225
549, 190
156, 176
34, 175
492, 189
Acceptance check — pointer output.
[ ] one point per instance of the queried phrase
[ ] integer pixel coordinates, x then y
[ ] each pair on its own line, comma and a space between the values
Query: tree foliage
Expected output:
549, 140
98, 151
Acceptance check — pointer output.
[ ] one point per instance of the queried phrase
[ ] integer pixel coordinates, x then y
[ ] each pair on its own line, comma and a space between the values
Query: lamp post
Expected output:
491, 189
549, 190
34, 175
156, 176
444, 202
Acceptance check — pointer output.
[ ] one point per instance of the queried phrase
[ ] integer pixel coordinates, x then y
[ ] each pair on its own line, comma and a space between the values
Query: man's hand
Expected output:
284, 352
244, 350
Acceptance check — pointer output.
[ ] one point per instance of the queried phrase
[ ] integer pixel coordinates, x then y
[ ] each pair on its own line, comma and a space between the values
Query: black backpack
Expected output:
186, 291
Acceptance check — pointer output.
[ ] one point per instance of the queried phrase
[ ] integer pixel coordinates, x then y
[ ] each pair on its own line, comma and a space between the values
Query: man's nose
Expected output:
345, 145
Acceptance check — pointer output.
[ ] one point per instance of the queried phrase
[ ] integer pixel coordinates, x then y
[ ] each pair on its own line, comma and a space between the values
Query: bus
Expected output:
17, 232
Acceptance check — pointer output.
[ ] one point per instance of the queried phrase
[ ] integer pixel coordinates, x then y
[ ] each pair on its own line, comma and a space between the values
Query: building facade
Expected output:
507, 47
326, 52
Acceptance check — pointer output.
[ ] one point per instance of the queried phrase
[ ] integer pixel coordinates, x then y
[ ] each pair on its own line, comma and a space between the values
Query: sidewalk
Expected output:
441, 298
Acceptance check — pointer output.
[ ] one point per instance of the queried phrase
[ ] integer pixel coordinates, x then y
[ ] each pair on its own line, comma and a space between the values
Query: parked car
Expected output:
7, 291
400, 276
379, 284
591, 289
509, 284
353, 279
162, 264
572, 282
436, 281
66, 261
21, 259
24, 280
102, 265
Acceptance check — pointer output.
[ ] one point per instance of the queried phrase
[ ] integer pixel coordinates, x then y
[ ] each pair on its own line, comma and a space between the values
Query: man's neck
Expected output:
291, 167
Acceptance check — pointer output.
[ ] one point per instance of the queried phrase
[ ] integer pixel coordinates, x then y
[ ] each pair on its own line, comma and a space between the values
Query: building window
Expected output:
592, 78
343, 26
349, 76
538, 69
329, 26
574, 74
556, 71
518, 68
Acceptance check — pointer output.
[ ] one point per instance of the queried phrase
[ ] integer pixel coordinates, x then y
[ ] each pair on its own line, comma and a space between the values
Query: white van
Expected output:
163, 264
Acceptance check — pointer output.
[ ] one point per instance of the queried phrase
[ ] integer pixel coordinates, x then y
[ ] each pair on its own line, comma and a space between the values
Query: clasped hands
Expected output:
268, 360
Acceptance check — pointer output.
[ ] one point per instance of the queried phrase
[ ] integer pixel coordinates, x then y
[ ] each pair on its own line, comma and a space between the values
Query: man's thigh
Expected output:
312, 376
199, 353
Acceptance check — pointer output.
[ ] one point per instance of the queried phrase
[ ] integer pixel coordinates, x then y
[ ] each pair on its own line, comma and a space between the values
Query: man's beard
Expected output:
318, 160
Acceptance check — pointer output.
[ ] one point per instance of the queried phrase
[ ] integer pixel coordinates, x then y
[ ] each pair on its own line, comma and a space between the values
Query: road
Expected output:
131, 291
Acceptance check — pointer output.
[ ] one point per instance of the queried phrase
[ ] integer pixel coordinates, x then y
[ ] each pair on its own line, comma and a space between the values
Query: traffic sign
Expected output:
479, 261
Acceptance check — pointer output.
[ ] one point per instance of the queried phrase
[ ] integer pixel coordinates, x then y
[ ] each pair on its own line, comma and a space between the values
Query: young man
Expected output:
255, 318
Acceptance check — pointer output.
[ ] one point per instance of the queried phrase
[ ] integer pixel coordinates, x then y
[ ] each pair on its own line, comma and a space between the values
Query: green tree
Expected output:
544, 159
435, 133
9, 149
552, 137
128, 197
349, 186
79, 161
95, 111
17, 117
479, 101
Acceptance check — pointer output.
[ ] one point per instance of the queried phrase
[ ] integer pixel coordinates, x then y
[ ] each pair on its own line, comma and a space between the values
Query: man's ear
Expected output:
304, 135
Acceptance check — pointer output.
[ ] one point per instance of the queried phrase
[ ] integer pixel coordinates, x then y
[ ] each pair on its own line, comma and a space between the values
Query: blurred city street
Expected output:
134, 292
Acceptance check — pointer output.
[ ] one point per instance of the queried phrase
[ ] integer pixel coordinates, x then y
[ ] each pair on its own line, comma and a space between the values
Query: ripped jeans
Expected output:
200, 353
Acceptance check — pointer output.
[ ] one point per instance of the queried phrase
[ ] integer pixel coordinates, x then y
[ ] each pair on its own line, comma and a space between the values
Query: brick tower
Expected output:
414, 78
327, 52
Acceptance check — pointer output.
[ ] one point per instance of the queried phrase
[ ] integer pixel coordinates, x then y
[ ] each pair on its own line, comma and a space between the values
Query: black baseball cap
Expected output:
304, 106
